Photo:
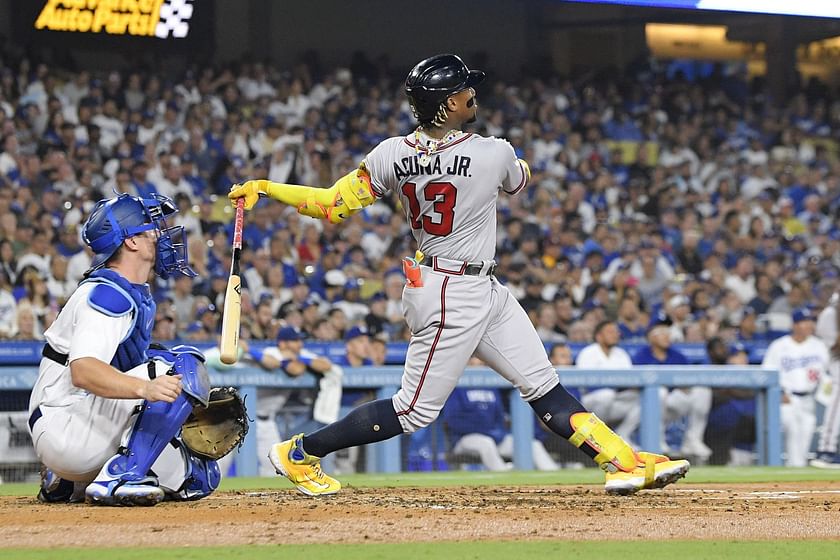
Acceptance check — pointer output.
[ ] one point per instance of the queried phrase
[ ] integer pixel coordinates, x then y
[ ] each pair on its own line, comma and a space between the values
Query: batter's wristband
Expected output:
256, 353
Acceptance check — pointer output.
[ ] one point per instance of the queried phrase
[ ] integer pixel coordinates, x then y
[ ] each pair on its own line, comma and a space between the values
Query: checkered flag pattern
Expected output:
174, 18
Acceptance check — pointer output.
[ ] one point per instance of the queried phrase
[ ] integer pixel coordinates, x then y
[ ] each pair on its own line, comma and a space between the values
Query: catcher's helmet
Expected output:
113, 220
434, 79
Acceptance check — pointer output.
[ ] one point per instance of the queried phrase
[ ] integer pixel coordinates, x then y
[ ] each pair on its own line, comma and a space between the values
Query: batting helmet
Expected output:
433, 80
113, 220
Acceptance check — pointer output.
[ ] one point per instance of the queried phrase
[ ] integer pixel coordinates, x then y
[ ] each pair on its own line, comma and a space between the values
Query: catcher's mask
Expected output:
113, 220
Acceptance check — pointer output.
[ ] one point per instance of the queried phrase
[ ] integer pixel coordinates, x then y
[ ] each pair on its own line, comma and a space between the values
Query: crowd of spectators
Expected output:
651, 194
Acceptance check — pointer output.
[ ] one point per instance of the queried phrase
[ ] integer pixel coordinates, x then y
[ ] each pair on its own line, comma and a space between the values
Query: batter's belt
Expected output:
459, 268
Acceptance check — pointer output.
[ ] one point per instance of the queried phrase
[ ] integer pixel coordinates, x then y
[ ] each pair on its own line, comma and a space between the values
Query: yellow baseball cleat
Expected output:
302, 469
652, 471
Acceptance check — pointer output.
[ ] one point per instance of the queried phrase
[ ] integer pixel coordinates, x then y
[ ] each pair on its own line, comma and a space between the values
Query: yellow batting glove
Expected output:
250, 191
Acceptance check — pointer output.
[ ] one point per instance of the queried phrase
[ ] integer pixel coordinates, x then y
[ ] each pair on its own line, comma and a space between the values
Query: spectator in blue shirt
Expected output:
476, 423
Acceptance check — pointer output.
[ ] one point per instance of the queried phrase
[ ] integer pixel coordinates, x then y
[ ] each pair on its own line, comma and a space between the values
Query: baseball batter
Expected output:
101, 414
802, 360
448, 182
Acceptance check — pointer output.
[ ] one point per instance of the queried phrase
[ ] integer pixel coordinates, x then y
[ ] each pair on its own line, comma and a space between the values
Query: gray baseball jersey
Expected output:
450, 203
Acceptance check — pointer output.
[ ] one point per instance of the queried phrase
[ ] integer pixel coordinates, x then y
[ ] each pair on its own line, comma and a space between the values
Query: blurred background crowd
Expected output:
654, 193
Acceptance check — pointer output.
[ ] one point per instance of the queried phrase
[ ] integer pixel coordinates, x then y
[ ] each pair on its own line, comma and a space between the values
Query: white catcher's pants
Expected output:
75, 441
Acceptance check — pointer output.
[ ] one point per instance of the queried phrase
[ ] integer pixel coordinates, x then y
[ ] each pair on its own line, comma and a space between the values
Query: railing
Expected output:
28, 352
386, 457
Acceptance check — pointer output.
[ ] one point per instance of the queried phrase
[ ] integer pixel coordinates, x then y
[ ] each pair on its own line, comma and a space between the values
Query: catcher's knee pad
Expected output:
613, 453
188, 362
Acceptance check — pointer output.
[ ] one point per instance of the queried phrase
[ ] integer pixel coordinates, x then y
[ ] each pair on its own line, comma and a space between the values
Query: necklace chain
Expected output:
425, 152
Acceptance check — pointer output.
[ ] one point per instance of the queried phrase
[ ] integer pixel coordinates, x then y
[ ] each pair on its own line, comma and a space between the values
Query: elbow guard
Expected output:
347, 196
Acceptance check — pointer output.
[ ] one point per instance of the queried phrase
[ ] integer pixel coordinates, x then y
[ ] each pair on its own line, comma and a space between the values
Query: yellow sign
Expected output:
700, 42
708, 42
140, 18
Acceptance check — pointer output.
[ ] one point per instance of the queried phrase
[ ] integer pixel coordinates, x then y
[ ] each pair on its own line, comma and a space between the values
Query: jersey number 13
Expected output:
444, 196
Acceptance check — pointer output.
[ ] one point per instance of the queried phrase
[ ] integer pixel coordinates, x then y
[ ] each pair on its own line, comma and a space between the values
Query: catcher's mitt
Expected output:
213, 431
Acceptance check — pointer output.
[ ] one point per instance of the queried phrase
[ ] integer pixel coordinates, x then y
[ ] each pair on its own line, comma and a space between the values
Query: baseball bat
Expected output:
229, 343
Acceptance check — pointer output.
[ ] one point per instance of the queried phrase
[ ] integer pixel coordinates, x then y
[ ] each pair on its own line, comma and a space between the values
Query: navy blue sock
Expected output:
556, 408
369, 423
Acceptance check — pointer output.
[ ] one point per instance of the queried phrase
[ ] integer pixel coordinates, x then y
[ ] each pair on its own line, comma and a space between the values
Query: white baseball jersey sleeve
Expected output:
800, 365
450, 203
82, 332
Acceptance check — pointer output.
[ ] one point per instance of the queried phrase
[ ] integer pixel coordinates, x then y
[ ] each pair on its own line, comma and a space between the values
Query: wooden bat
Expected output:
229, 343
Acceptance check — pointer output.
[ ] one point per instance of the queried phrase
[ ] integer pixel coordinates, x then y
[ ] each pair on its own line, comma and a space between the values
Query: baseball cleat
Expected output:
119, 493
302, 469
54, 489
652, 471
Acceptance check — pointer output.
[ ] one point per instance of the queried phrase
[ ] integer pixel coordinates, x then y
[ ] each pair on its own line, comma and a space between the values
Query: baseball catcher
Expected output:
107, 409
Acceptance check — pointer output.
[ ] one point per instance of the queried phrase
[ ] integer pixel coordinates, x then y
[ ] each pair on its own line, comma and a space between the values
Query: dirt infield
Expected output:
804, 510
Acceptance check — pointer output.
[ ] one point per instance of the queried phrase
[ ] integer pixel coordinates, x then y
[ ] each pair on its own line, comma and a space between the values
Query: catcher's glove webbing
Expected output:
213, 431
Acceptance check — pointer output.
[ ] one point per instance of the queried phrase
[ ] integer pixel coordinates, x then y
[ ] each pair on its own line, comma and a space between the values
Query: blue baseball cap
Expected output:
204, 309
289, 333
803, 314
660, 319
309, 302
356, 332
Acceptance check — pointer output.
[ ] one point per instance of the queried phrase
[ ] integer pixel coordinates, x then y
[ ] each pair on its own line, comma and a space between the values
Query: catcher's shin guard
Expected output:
203, 477
125, 478
184, 476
